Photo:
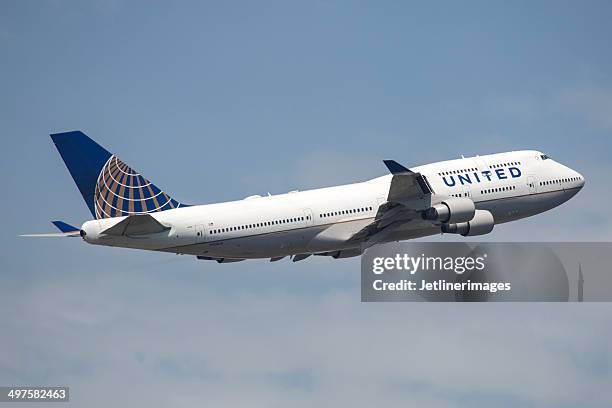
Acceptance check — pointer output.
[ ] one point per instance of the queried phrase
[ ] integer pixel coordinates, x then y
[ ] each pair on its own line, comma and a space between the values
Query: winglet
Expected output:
64, 227
396, 168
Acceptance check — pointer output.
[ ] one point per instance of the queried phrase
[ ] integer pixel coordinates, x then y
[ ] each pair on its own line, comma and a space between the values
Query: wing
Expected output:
409, 194
406, 185
141, 224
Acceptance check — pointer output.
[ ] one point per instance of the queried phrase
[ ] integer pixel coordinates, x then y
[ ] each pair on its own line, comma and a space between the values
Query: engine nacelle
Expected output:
481, 224
451, 211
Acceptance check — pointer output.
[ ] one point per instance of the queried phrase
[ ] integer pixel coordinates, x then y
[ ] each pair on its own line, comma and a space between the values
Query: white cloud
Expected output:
150, 339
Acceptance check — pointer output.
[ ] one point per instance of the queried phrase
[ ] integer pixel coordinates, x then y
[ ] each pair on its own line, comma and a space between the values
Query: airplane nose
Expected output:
581, 180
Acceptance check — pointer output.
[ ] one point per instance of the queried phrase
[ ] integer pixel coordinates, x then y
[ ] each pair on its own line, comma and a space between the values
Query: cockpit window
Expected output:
544, 157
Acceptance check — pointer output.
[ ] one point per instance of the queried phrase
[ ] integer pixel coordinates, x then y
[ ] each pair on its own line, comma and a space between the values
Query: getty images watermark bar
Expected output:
34, 394
487, 272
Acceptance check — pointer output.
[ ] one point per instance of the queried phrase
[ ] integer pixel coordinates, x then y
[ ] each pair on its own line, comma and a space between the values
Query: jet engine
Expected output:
451, 211
481, 224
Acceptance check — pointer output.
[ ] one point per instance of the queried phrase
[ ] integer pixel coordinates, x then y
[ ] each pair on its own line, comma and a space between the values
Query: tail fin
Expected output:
109, 186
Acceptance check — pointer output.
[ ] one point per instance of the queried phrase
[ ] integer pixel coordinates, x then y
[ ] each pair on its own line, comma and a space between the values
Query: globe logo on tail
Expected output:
121, 191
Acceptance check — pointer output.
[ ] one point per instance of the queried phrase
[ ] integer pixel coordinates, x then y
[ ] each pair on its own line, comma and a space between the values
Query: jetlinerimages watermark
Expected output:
484, 272
414, 264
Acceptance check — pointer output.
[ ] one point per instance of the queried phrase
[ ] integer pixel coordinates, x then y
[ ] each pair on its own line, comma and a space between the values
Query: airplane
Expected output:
466, 196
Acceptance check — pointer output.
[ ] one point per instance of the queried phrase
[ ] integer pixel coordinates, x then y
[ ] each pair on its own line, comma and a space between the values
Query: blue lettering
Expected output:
477, 178
487, 174
464, 178
447, 183
500, 174
515, 172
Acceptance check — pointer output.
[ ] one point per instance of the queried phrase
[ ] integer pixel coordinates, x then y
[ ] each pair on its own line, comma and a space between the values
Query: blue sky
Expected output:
216, 102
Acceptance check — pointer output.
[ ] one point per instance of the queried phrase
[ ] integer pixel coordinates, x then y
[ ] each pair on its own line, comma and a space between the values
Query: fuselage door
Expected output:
531, 182
480, 164
199, 232
308, 216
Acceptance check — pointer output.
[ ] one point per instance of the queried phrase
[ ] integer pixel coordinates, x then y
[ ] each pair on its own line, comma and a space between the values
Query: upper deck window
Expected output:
544, 157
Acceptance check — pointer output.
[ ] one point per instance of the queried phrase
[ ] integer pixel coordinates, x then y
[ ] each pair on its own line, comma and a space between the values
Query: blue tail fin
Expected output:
109, 186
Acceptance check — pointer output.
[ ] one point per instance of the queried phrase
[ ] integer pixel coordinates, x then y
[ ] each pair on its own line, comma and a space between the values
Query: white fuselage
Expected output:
510, 185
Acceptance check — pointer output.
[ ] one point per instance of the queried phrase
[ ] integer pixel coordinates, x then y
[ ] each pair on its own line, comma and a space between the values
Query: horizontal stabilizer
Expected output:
64, 227
67, 230
53, 235
141, 224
